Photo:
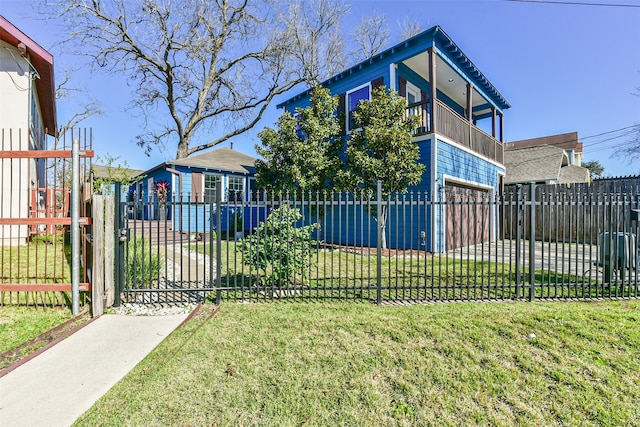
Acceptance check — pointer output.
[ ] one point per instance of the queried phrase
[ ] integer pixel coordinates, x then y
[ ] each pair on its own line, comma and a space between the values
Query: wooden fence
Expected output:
572, 212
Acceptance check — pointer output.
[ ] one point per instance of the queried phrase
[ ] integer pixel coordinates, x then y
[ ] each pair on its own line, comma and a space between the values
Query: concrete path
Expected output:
59, 385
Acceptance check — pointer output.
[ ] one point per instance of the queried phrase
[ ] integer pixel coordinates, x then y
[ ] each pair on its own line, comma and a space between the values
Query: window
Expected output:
413, 94
235, 188
353, 99
212, 184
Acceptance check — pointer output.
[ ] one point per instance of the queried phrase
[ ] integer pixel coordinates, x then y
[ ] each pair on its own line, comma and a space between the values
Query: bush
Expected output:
279, 250
142, 264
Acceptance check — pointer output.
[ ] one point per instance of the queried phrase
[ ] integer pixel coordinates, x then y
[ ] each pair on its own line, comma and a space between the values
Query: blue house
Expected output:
460, 135
193, 184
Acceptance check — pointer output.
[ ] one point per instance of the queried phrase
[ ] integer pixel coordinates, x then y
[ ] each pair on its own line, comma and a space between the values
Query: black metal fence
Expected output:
522, 245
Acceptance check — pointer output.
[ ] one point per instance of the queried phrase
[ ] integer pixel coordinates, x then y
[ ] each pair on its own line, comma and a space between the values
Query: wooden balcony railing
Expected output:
455, 127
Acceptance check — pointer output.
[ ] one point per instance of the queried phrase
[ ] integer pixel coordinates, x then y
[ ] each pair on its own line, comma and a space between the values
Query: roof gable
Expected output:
42, 61
222, 159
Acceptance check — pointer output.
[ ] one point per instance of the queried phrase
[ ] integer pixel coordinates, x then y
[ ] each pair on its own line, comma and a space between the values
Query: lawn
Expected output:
351, 273
353, 364
45, 259
20, 324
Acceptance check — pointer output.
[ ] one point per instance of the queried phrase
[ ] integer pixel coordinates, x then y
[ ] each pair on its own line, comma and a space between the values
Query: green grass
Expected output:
45, 259
21, 324
353, 275
363, 365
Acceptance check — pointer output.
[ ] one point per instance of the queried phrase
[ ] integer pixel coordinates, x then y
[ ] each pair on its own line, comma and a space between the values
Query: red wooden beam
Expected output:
42, 154
41, 287
43, 221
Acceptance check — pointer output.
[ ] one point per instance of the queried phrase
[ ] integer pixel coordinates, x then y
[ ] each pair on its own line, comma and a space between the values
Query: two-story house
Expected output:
461, 130
27, 116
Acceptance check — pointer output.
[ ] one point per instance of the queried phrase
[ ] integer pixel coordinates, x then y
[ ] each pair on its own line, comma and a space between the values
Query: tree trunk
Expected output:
383, 226
183, 149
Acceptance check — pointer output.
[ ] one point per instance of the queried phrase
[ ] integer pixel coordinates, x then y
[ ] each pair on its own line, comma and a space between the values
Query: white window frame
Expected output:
205, 197
413, 89
224, 186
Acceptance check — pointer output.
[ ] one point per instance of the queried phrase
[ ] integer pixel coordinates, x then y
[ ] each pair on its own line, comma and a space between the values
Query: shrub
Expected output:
143, 264
279, 250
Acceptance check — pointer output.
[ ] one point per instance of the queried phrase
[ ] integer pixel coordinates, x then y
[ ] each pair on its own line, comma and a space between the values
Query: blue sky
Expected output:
563, 68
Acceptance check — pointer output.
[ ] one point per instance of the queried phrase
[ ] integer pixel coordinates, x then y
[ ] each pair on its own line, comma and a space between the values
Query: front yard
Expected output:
358, 364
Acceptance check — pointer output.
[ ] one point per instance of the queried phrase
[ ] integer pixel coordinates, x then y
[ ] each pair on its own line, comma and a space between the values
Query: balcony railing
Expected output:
452, 125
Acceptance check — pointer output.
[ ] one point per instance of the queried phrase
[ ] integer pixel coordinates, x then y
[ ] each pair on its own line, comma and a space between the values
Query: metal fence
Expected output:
522, 245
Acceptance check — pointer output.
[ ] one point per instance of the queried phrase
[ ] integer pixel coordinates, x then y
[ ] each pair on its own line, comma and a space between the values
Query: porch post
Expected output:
493, 122
501, 127
432, 88
470, 112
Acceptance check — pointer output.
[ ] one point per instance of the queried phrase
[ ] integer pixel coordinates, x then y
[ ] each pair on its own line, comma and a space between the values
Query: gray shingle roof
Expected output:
222, 159
570, 174
533, 164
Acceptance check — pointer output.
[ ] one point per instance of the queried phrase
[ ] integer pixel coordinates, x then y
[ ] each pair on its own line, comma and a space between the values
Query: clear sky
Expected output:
562, 67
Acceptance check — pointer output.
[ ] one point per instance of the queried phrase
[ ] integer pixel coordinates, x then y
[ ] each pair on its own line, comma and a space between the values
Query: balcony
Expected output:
450, 124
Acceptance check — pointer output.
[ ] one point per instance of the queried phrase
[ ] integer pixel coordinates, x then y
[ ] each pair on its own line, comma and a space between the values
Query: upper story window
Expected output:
353, 99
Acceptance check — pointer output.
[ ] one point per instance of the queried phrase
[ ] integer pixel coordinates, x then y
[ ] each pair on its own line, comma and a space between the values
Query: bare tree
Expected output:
409, 27
212, 66
370, 36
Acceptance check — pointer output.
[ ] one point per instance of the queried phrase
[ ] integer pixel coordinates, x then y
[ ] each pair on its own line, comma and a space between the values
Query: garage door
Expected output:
467, 216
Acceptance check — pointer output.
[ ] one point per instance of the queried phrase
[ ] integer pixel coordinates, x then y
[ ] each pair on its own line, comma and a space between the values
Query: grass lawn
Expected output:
19, 324
352, 274
350, 364
45, 259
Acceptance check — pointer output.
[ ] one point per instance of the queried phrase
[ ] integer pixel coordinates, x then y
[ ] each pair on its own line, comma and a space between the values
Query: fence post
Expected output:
532, 240
518, 237
218, 247
75, 227
119, 244
379, 242
97, 276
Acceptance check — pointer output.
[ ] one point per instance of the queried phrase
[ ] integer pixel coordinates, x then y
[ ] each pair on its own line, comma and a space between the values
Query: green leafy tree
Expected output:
302, 152
382, 149
595, 168
279, 250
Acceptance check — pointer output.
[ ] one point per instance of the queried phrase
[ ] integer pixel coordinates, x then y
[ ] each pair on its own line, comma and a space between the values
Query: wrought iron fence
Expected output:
467, 245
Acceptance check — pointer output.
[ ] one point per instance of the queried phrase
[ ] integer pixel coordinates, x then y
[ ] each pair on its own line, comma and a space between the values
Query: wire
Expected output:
575, 3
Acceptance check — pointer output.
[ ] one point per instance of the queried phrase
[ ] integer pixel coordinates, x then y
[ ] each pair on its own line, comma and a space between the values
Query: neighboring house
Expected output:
461, 132
27, 116
224, 173
108, 175
549, 160
569, 142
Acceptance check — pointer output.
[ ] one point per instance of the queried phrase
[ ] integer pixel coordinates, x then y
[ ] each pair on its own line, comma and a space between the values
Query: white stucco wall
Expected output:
18, 175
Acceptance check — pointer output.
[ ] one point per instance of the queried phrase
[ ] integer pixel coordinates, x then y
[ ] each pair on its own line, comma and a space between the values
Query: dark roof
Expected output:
568, 141
42, 61
434, 35
222, 159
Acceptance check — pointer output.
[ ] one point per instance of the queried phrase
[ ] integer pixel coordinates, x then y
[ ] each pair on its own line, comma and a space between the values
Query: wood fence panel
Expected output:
97, 286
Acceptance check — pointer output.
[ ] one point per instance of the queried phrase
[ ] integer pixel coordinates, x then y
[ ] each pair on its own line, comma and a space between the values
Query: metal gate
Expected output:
155, 262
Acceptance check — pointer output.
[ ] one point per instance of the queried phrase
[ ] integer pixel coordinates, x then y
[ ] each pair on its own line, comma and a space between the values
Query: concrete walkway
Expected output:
59, 385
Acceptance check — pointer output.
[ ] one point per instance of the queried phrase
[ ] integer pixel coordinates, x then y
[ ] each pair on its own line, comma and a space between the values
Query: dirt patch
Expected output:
11, 359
